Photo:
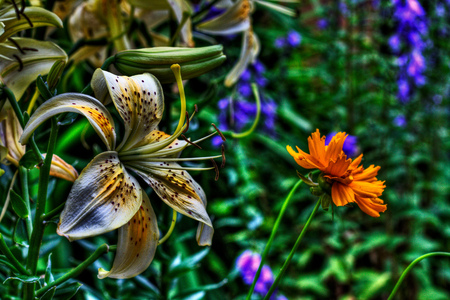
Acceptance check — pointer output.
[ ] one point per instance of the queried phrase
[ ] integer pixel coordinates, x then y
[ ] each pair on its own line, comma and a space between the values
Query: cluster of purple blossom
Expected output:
236, 112
408, 43
292, 40
247, 263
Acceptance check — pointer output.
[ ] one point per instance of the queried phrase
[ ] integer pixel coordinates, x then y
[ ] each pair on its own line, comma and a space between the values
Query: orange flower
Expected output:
349, 181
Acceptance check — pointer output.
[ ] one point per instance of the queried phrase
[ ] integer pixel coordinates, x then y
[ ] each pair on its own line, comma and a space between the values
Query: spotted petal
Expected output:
10, 131
249, 52
103, 198
139, 100
176, 188
234, 20
91, 108
137, 244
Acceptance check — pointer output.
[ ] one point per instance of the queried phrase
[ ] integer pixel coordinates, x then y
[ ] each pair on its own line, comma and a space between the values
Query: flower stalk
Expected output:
291, 254
172, 226
272, 236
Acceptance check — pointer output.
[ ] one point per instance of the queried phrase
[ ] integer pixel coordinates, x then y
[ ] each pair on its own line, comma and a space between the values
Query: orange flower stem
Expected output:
402, 277
272, 236
288, 260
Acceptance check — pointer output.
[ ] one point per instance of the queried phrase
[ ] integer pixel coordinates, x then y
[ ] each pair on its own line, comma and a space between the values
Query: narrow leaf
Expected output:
48, 271
49, 294
23, 278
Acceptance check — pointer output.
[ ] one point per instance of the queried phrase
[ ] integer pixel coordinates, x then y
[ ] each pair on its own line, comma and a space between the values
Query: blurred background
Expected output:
378, 70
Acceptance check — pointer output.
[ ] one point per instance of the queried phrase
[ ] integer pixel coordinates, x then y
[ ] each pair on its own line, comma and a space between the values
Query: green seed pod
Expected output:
157, 61
323, 183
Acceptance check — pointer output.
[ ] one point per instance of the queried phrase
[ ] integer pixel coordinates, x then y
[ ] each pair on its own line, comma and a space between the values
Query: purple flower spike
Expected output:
245, 89
280, 42
322, 24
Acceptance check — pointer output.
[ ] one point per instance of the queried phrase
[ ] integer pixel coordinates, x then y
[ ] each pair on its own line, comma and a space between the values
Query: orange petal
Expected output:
372, 207
367, 189
59, 168
342, 194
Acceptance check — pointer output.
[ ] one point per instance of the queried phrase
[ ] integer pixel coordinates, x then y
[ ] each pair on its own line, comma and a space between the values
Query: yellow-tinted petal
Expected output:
235, 19
91, 108
137, 244
139, 100
249, 52
176, 188
10, 132
103, 198
59, 168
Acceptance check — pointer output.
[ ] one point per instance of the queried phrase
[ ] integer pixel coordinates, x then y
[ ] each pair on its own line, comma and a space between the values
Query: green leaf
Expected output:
179, 266
49, 294
19, 205
5, 262
48, 271
43, 88
29, 160
23, 278
67, 290
20, 233
68, 119
202, 288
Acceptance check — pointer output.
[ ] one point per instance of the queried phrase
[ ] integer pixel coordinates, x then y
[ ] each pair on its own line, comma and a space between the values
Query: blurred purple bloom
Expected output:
350, 147
403, 90
247, 263
394, 43
294, 38
400, 121
261, 81
259, 67
322, 24
244, 88
343, 8
280, 42
246, 75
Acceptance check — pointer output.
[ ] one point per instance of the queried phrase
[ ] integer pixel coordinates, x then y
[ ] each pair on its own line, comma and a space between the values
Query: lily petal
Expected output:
91, 108
176, 188
36, 17
139, 100
249, 52
10, 132
23, 65
59, 168
103, 198
204, 233
137, 244
234, 20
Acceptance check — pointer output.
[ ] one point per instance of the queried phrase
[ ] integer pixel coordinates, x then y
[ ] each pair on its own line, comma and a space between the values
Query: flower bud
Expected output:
55, 74
157, 61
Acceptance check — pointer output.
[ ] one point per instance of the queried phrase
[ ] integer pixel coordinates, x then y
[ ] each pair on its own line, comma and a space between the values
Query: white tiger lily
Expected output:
106, 195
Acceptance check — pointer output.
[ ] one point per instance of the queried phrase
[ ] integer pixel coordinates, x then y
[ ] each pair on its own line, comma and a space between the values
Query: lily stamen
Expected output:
223, 157
191, 143
17, 45
219, 132
187, 122
216, 169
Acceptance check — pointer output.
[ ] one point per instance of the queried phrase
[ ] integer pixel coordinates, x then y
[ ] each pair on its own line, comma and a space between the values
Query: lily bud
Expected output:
55, 73
157, 61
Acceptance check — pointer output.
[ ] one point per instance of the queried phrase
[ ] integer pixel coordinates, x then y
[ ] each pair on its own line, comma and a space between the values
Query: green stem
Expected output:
75, 271
11, 258
402, 277
172, 226
255, 122
272, 236
109, 61
288, 260
38, 231
26, 196
184, 19
52, 213
18, 112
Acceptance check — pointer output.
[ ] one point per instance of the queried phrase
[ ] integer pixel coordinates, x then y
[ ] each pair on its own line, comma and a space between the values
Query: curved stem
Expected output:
172, 226
5, 206
272, 236
288, 260
75, 271
11, 258
255, 122
47, 216
402, 277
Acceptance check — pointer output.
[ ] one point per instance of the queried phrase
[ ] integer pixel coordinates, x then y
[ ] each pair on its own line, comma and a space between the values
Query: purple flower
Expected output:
280, 42
244, 88
400, 121
350, 147
394, 43
246, 75
247, 264
259, 67
322, 24
294, 38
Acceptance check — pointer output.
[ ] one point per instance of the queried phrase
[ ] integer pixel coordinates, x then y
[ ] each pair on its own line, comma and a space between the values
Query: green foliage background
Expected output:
339, 79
